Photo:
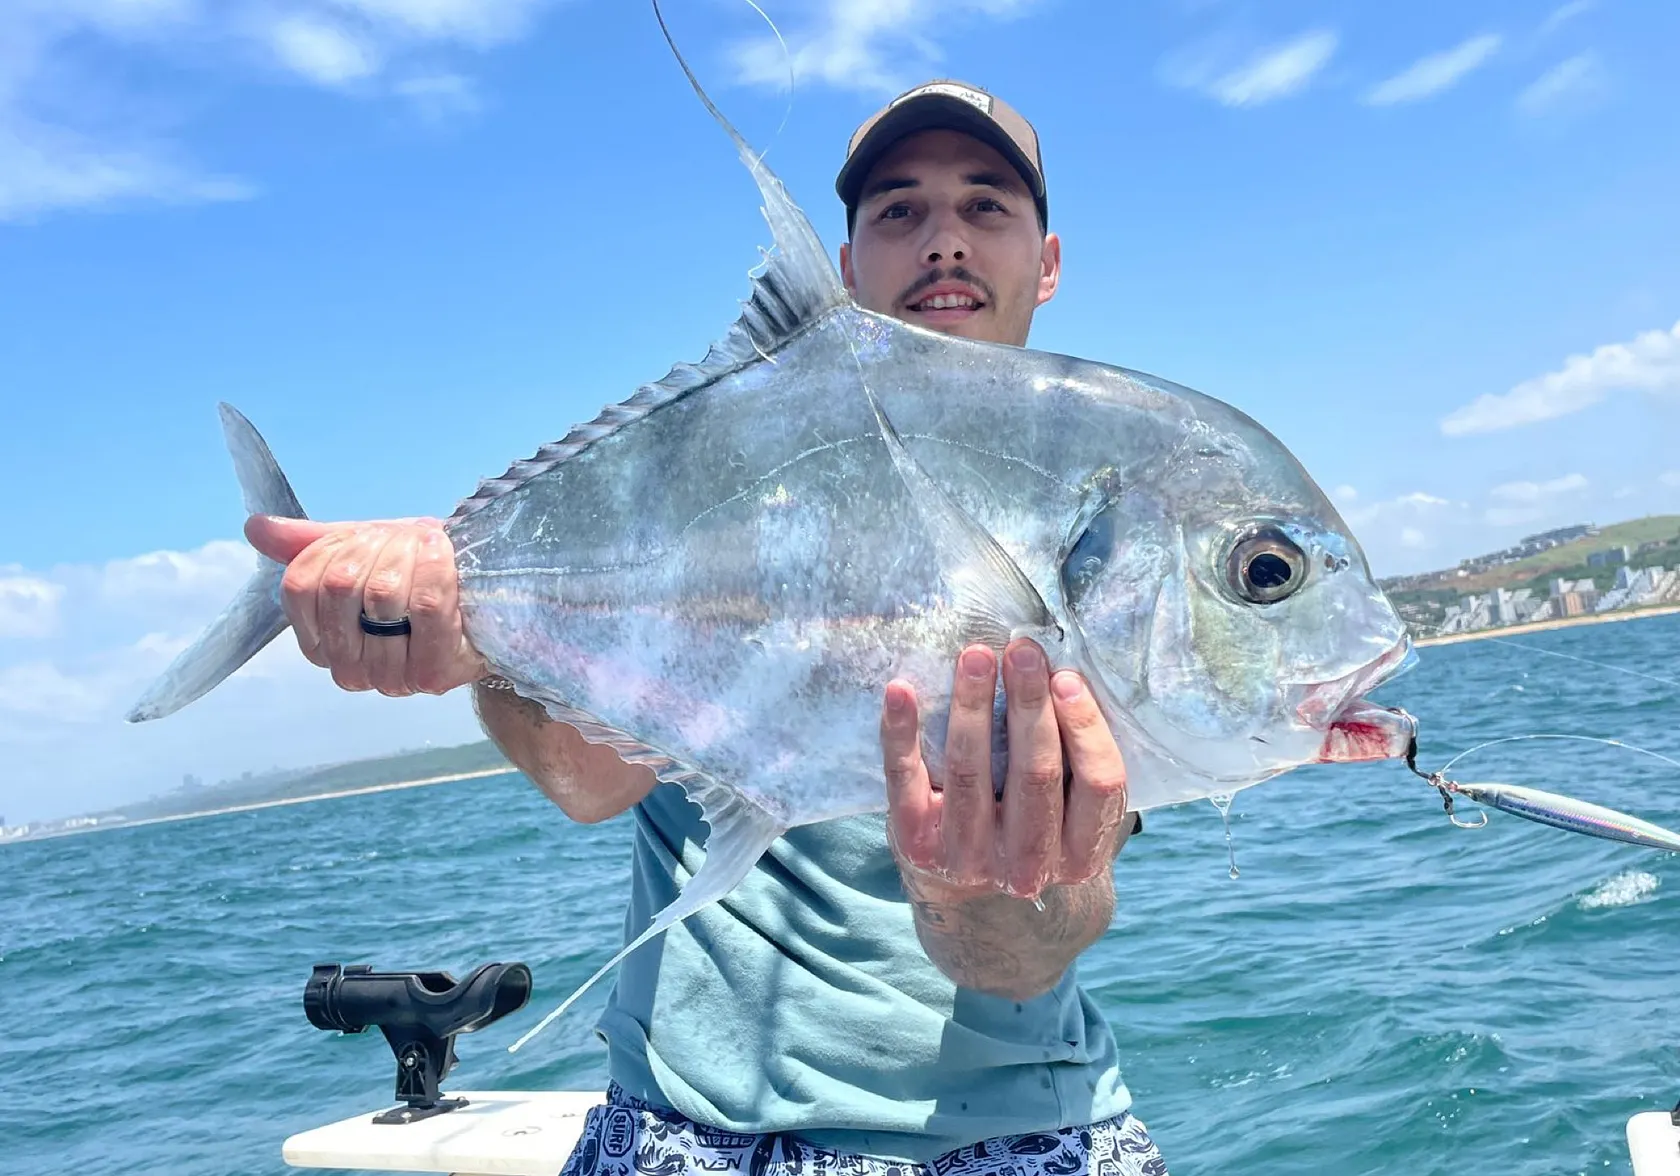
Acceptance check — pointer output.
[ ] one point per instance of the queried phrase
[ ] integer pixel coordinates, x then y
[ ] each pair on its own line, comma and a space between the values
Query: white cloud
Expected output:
878, 47
1410, 505
1395, 531
39, 690
63, 695
1566, 86
45, 168
215, 570
28, 606
322, 52
1437, 72
1565, 12
68, 144
1650, 362
1345, 494
1669, 477
480, 23
1263, 75
1535, 491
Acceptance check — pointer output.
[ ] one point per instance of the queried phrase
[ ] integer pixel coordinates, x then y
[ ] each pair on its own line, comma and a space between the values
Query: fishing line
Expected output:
1583, 660
1580, 738
787, 57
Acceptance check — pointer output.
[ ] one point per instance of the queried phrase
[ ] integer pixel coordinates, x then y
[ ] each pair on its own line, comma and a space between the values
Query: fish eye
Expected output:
1266, 566
1088, 556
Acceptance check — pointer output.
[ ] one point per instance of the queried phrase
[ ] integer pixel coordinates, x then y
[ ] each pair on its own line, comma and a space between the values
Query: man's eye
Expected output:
895, 212
987, 204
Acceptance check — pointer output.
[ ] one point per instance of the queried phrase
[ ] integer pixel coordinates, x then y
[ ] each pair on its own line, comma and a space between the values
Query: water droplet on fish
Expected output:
1222, 802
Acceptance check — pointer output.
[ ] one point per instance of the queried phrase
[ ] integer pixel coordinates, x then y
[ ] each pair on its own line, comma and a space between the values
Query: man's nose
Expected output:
945, 245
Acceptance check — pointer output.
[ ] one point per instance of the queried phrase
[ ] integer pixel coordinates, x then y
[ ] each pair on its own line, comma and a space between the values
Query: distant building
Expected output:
1574, 604
1609, 557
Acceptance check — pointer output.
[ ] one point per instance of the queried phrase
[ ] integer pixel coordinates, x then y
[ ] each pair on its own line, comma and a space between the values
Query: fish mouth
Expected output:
1357, 730
1363, 731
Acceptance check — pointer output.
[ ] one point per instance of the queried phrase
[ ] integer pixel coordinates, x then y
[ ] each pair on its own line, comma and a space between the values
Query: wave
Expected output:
1625, 889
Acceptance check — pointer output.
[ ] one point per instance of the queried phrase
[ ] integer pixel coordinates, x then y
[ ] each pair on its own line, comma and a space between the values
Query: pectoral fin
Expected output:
994, 597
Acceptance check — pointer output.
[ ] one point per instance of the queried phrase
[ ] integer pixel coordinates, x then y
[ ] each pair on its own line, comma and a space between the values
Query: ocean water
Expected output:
1378, 992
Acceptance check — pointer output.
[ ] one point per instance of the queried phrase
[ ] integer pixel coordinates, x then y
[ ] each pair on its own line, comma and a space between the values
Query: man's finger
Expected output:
1096, 798
439, 656
968, 804
283, 540
912, 809
339, 607
385, 597
1032, 790
300, 593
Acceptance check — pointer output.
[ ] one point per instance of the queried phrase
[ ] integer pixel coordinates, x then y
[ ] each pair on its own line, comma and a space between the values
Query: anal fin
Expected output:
740, 832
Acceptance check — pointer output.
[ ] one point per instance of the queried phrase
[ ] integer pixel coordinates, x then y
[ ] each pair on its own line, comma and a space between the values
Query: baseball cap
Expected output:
947, 105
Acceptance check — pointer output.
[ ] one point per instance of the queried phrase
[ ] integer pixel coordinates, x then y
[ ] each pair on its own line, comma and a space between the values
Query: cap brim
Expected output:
930, 112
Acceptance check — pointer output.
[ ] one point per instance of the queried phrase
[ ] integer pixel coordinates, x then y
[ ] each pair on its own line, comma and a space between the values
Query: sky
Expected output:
1433, 248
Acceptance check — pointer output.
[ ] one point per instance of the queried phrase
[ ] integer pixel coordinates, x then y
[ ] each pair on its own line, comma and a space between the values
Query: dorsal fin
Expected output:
796, 286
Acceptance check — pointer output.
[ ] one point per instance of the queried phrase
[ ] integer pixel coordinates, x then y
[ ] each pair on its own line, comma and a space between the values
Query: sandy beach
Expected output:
263, 804
1546, 626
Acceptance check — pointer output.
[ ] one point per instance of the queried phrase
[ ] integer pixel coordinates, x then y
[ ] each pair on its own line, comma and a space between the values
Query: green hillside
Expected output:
1557, 562
1423, 600
282, 785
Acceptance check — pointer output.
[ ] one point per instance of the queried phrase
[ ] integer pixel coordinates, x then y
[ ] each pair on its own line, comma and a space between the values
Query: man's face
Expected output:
947, 238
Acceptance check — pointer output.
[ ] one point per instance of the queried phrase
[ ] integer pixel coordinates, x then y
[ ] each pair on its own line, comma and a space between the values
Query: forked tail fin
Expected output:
254, 618
740, 833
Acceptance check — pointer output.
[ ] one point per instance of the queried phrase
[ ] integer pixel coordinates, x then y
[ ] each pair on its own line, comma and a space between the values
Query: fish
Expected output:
718, 575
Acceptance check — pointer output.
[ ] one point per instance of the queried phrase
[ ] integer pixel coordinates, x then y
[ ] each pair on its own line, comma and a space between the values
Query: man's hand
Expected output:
406, 568
969, 861
390, 570
1040, 834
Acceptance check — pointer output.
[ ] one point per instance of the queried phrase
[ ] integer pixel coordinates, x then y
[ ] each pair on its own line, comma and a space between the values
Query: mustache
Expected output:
955, 274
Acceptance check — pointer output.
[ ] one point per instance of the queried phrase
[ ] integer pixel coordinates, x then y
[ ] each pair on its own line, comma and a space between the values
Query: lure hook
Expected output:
1445, 787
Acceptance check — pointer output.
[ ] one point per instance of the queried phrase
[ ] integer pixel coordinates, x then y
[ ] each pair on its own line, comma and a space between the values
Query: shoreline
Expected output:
394, 786
1547, 626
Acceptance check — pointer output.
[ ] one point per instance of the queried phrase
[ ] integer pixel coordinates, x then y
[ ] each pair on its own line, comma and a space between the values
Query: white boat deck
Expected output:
1654, 1144
498, 1133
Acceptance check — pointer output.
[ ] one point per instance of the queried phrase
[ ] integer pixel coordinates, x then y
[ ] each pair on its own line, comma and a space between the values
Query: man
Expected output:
880, 991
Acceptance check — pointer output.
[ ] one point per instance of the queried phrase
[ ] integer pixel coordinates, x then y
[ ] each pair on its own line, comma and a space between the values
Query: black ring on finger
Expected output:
397, 628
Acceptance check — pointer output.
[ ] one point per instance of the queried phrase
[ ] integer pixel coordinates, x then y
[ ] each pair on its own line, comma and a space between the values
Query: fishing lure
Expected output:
1547, 808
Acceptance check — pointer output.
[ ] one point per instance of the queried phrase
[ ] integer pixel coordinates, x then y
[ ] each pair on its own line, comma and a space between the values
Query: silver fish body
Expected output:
734, 581
718, 576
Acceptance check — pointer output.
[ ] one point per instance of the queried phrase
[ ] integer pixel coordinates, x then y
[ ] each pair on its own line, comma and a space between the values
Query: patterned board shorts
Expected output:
627, 1137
